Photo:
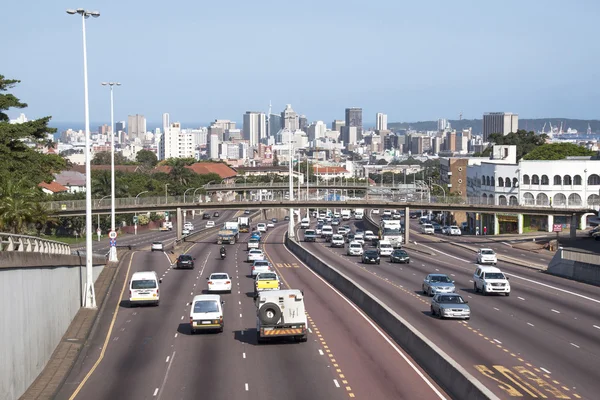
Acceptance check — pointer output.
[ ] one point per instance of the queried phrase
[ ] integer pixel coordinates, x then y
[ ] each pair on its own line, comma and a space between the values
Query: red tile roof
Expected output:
54, 187
202, 168
329, 170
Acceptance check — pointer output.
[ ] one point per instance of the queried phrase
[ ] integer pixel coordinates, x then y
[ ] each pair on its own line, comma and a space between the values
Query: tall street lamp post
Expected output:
112, 255
90, 295
135, 220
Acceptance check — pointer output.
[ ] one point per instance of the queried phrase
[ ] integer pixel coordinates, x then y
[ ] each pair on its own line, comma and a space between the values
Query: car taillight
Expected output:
253, 268
228, 282
210, 282
191, 320
130, 293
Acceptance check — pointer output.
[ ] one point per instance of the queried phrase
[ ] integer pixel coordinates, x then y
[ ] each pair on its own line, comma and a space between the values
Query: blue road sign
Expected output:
113, 242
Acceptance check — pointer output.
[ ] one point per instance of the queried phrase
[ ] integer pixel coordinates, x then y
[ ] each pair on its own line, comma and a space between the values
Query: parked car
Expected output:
400, 256
450, 306
371, 257
185, 261
437, 283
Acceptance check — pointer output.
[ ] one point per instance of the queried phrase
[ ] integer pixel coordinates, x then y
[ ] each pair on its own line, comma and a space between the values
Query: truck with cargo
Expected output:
346, 214
244, 224
234, 227
226, 236
391, 231
359, 213
280, 313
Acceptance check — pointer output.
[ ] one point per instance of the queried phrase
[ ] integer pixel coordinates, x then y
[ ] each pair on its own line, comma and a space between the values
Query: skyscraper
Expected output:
316, 130
381, 124
290, 119
136, 125
442, 124
274, 124
302, 123
354, 119
166, 121
337, 125
119, 129
255, 127
499, 122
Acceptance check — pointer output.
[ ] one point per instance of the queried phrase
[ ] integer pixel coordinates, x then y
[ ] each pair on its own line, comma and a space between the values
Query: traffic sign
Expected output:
112, 234
113, 242
557, 228
167, 214
135, 220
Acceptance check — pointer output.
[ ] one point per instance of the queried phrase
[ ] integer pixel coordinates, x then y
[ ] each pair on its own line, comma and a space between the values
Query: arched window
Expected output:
513, 201
487, 181
515, 182
542, 199
557, 180
567, 181
535, 180
506, 182
491, 199
526, 180
493, 181
593, 200
500, 182
576, 180
528, 199
574, 199
545, 180
593, 179
502, 200
559, 199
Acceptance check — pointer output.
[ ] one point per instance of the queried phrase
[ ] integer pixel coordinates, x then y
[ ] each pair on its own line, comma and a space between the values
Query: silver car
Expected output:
437, 283
450, 306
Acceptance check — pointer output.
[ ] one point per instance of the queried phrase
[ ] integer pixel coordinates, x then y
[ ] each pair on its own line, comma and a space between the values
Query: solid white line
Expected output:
497, 341
310, 330
243, 355
182, 317
520, 298
166, 375
497, 309
596, 326
556, 311
239, 302
545, 370
240, 315
246, 386
168, 357
192, 293
176, 334
375, 327
335, 382
155, 392
573, 344
321, 352
530, 324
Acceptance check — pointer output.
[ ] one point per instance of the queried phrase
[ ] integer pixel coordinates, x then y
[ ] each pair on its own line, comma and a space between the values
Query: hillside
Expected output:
528, 124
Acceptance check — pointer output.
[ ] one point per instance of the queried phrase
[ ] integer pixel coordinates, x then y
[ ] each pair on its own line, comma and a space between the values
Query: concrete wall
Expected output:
38, 300
455, 380
582, 267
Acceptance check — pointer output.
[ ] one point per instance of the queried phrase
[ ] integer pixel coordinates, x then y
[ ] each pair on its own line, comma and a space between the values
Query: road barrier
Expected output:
31, 244
453, 378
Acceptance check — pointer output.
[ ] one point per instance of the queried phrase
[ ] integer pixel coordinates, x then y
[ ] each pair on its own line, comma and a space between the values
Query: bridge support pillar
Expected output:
178, 224
573, 230
406, 224
291, 233
520, 224
550, 223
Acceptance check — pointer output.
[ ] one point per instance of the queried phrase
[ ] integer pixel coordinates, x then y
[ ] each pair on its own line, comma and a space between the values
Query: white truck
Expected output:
244, 224
280, 313
359, 213
391, 231
346, 214
233, 226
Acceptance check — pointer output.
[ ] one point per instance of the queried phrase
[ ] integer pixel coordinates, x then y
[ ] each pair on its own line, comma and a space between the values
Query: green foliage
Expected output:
103, 158
17, 199
16, 157
557, 151
143, 219
382, 161
147, 158
525, 141
171, 162
101, 184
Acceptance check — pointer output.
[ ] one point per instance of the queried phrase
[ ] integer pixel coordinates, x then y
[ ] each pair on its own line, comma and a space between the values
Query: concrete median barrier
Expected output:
453, 378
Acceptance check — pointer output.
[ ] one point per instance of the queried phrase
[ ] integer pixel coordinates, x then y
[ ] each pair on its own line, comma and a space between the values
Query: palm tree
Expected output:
179, 173
101, 185
16, 205
40, 217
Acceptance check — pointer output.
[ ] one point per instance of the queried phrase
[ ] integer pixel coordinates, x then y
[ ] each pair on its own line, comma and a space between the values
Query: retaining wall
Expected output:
39, 297
581, 267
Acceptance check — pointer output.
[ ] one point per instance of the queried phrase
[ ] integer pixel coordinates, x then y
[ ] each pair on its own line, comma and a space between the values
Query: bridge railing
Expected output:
31, 244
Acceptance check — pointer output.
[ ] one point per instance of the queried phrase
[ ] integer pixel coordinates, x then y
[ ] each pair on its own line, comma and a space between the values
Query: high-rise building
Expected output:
316, 130
119, 129
350, 135
136, 125
219, 126
381, 124
337, 125
290, 119
213, 146
354, 118
255, 127
166, 121
177, 143
441, 124
303, 123
104, 129
499, 122
275, 124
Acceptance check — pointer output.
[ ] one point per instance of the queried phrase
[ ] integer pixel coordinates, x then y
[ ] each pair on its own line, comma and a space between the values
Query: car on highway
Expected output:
343, 230
486, 256
400, 256
261, 227
359, 237
266, 281
206, 313
427, 229
143, 288
445, 229
370, 236
247, 212
260, 266
219, 282
255, 254
158, 246
454, 230
216, 214
354, 249
593, 231
385, 248
270, 225
375, 211
350, 237
337, 240
488, 280
274, 220
370, 257
450, 306
253, 244
437, 283
387, 213
286, 218
185, 261
185, 231
189, 226
319, 229
210, 224
206, 215
437, 228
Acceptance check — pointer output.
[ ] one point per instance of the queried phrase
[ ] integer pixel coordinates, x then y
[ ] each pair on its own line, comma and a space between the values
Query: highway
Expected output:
148, 352
541, 342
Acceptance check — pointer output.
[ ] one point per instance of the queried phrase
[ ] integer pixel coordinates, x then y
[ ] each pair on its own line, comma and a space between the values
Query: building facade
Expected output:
290, 119
381, 124
136, 127
499, 122
255, 127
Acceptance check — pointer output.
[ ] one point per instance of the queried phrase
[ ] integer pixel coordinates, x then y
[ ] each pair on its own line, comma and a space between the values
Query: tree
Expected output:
103, 158
101, 184
17, 158
525, 141
558, 151
171, 162
147, 158
16, 205
40, 217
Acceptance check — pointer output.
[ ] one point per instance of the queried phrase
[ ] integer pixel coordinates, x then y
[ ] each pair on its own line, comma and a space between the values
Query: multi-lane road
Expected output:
148, 352
541, 342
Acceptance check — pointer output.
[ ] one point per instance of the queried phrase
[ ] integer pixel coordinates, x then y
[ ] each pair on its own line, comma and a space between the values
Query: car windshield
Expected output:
255, 251
337, 237
371, 253
357, 245
488, 252
253, 240
157, 243
269, 277
185, 257
144, 284
400, 253
451, 299
262, 263
494, 275
385, 245
427, 226
441, 279
206, 306
454, 227
219, 276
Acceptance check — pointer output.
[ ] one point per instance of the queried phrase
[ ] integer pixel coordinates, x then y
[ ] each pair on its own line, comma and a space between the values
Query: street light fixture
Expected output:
90, 295
112, 255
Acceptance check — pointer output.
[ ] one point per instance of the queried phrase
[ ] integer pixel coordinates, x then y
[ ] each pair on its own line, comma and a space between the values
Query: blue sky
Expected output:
202, 60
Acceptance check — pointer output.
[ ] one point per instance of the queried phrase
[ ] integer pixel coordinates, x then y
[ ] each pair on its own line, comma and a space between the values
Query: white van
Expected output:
305, 223
358, 213
385, 248
143, 288
261, 227
206, 313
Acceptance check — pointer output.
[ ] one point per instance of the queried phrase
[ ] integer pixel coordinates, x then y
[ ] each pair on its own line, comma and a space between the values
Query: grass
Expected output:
64, 239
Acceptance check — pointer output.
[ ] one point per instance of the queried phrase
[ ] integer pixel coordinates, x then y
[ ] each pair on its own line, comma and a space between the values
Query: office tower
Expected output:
450, 141
381, 124
337, 125
349, 135
136, 125
166, 122
254, 127
290, 119
316, 130
442, 123
354, 118
213, 146
499, 122
303, 123
177, 143
275, 124
119, 126
219, 126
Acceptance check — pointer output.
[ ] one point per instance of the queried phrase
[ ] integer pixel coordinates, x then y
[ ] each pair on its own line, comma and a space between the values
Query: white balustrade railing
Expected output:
31, 244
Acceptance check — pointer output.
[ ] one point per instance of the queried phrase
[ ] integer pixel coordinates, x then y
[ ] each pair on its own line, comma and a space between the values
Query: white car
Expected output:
385, 248
261, 227
210, 224
206, 313
454, 231
355, 249
185, 231
143, 288
369, 235
253, 244
260, 266
487, 256
360, 238
270, 225
427, 229
375, 211
189, 225
255, 254
158, 246
338, 241
490, 280
219, 282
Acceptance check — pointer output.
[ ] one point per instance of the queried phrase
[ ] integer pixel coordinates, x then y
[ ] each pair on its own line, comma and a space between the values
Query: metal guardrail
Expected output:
31, 244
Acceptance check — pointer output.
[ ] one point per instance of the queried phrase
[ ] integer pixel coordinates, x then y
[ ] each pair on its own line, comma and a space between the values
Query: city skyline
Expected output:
550, 71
